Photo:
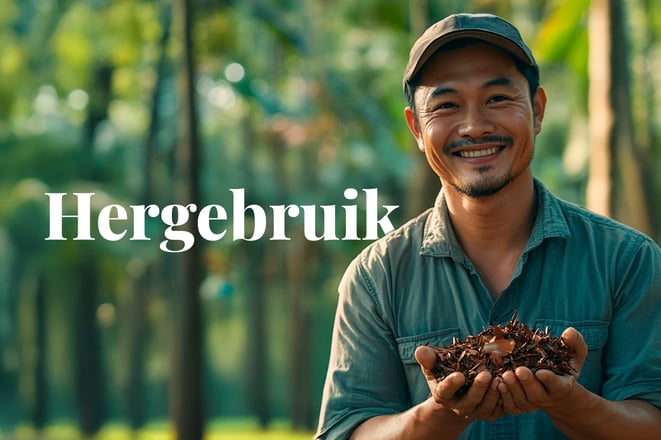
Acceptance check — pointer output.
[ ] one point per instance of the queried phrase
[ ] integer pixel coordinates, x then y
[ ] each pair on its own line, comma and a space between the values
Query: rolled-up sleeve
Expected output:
365, 372
633, 350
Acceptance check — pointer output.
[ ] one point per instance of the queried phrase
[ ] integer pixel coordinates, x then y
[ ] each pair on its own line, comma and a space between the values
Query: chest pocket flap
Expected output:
408, 344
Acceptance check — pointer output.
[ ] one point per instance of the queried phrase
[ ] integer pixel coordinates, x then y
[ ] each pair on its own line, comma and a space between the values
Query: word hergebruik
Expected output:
115, 222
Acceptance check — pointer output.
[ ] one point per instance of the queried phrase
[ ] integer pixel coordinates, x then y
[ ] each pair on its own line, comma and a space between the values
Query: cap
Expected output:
486, 27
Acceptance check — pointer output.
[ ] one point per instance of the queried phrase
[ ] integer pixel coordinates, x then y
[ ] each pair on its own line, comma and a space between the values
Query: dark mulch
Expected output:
501, 348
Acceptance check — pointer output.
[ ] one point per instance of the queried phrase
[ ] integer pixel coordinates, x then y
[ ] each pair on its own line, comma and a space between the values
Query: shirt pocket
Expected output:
419, 389
595, 334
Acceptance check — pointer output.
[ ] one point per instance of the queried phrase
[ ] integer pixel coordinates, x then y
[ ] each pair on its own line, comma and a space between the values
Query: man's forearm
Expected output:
595, 418
425, 420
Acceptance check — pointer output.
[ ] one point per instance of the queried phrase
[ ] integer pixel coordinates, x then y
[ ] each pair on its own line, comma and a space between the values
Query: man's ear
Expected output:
539, 106
414, 126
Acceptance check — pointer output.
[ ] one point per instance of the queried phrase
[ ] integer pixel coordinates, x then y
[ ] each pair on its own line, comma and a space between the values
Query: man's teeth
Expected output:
478, 153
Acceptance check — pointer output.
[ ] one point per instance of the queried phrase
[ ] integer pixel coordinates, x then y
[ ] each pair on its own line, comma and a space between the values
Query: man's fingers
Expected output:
487, 408
447, 389
477, 391
482, 400
554, 384
515, 399
578, 347
520, 390
533, 389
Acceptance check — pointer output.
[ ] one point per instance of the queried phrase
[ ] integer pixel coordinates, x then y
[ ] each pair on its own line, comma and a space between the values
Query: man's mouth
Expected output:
478, 153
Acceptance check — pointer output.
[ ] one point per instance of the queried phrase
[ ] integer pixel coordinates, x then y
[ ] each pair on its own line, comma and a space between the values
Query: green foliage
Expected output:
297, 101
562, 31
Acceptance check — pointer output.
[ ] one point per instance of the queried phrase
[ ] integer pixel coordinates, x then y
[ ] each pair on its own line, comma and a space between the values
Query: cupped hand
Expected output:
523, 391
481, 401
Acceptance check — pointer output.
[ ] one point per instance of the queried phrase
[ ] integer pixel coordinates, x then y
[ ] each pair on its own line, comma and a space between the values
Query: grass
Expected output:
234, 429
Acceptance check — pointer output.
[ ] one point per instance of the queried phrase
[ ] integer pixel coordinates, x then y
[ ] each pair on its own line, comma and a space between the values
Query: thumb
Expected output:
426, 357
577, 347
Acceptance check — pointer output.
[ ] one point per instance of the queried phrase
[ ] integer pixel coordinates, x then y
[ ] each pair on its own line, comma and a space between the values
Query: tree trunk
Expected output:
425, 184
40, 403
650, 113
100, 97
601, 118
257, 359
300, 262
631, 201
89, 366
89, 376
186, 400
142, 281
137, 332
613, 155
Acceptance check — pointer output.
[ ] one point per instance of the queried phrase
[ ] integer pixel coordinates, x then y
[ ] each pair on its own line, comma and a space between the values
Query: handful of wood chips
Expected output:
501, 348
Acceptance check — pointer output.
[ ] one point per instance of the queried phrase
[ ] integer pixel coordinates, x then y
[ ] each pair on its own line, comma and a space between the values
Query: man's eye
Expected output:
445, 105
499, 98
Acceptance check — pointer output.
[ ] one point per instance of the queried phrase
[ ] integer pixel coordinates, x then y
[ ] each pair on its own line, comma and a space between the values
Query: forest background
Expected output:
144, 101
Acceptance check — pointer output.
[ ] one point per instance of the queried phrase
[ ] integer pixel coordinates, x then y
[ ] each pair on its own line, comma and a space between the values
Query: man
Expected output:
495, 241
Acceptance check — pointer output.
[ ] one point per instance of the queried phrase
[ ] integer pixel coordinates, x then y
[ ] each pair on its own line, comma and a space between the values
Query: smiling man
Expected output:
495, 241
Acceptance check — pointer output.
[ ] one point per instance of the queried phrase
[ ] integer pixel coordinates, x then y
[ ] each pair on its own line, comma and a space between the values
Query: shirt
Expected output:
415, 286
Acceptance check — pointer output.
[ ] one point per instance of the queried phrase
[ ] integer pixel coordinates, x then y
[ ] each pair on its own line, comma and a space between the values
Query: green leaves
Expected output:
562, 35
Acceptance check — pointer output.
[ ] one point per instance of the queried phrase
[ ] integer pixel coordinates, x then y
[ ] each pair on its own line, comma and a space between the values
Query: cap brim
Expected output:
486, 36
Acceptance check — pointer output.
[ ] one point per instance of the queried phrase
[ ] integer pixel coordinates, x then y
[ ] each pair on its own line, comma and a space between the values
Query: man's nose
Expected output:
475, 123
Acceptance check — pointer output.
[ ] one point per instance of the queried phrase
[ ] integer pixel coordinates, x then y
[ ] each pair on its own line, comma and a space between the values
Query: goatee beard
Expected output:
484, 187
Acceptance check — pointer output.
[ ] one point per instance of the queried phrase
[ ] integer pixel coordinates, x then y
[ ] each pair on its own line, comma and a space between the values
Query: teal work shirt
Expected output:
416, 286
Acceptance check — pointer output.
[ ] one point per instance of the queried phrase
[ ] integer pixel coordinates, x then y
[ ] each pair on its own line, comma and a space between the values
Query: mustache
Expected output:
468, 141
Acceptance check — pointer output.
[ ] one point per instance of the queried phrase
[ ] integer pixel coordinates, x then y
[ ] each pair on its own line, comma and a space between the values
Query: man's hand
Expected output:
522, 391
482, 401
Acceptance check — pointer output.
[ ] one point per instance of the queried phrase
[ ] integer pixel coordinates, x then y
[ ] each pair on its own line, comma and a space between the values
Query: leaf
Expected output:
500, 347
565, 25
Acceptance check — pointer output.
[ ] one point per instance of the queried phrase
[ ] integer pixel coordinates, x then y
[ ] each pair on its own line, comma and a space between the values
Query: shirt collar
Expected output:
440, 240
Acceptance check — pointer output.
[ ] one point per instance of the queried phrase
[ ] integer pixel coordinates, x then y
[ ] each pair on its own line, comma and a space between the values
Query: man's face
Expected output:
476, 123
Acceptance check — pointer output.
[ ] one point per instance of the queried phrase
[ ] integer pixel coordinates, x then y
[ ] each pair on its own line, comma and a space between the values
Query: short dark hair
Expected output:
529, 73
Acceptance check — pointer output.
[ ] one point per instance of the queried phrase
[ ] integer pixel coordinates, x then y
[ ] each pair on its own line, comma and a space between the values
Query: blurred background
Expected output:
145, 101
